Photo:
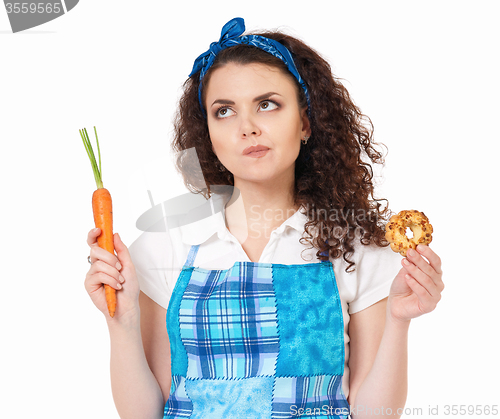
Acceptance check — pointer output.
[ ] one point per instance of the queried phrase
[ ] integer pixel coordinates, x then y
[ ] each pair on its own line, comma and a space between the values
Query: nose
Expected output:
249, 127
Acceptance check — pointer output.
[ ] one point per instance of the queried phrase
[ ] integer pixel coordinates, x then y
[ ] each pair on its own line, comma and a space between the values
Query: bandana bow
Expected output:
228, 37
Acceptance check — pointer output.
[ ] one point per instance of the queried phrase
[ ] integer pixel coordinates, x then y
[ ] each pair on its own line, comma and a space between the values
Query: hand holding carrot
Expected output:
116, 271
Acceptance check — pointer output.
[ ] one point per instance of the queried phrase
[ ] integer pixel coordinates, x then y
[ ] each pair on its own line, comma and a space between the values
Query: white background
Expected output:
427, 74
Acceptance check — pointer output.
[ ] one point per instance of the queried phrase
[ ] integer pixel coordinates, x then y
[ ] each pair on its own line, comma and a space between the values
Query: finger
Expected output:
424, 265
427, 301
430, 255
92, 236
417, 259
92, 240
423, 279
95, 281
97, 253
101, 266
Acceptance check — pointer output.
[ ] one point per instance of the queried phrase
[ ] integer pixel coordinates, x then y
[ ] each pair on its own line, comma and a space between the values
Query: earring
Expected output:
304, 141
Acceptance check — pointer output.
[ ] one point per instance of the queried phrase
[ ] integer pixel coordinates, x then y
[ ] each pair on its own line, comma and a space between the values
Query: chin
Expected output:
260, 174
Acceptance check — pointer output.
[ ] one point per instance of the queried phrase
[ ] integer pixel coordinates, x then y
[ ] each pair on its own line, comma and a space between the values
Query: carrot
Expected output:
103, 213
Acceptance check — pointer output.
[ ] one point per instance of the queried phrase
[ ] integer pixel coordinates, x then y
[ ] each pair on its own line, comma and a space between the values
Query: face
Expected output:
255, 105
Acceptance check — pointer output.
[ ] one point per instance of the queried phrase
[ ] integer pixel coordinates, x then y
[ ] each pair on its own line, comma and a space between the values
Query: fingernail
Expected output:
121, 278
405, 261
118, 265
118, 286
411, 252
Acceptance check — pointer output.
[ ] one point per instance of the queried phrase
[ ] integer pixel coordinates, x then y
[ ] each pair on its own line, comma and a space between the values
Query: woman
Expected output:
259, 324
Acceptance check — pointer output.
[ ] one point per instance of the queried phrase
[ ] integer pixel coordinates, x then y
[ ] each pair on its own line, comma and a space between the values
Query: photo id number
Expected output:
33, 7
471, 410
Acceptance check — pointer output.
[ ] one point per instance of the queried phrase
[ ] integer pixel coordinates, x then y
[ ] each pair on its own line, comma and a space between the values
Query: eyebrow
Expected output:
256, 99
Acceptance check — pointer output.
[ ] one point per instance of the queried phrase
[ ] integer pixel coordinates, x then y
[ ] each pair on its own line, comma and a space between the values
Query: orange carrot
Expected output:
103, 218
103, 213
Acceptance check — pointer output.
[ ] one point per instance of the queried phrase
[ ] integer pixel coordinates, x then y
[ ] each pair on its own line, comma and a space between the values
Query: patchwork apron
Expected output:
258, 340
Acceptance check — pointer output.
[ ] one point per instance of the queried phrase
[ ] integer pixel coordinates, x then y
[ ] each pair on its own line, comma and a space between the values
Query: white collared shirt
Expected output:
159, 257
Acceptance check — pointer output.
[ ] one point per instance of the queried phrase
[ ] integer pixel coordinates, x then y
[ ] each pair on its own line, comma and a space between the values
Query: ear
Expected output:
306, 125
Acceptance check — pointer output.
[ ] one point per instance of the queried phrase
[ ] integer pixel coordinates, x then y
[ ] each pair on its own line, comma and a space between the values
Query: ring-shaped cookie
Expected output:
395, 231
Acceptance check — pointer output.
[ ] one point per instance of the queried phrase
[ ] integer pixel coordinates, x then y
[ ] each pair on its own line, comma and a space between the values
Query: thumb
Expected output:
121, 251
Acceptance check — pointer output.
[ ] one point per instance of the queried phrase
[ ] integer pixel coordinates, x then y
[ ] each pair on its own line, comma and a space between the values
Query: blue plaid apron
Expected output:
258, 340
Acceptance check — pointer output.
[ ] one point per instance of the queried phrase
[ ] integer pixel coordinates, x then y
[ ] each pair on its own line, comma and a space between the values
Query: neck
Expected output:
259, 208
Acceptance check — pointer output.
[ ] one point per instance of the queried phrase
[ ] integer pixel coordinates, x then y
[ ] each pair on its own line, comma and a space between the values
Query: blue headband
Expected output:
230, 36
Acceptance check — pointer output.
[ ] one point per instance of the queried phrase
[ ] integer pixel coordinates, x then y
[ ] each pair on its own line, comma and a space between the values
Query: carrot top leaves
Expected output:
88, 146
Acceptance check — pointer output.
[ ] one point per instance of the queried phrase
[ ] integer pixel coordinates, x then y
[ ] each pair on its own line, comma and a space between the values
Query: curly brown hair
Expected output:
333, 171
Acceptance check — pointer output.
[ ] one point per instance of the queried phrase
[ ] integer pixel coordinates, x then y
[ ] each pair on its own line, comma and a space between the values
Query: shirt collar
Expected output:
200, 231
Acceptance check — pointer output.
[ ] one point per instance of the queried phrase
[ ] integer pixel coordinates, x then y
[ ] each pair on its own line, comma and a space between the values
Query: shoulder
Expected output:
373, 256
151, 244
374, 270
155, 260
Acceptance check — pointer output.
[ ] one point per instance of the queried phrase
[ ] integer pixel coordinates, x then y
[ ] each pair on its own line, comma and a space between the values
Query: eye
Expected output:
223, 112
268, 105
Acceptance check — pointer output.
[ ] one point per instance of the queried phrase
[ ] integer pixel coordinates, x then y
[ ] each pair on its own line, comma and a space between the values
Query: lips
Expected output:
259, 147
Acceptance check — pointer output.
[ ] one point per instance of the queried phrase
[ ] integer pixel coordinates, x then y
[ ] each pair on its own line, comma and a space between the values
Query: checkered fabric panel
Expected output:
178, 405
313, 396
228, 322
